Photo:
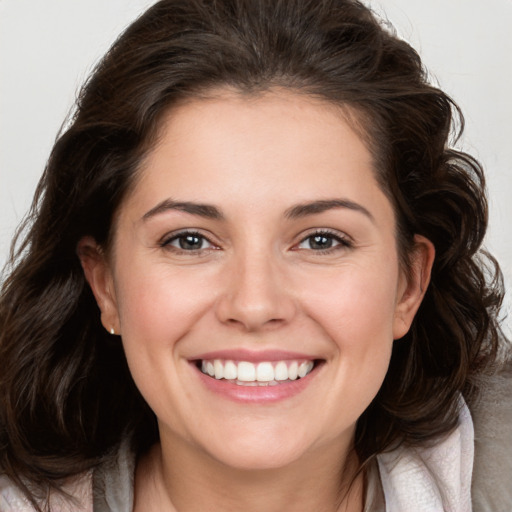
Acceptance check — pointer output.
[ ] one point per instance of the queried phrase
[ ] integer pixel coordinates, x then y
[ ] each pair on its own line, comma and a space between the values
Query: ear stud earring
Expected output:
112, 331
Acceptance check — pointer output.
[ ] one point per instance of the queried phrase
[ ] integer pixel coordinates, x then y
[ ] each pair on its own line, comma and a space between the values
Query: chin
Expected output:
258, 460
259, 451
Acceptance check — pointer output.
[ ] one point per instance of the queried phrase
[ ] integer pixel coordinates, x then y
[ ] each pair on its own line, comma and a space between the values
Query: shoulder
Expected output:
12, 498
108, 488
113, 481
435, 476
492, 419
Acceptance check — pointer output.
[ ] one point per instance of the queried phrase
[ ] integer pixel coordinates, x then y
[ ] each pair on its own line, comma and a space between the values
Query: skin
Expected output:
259, 284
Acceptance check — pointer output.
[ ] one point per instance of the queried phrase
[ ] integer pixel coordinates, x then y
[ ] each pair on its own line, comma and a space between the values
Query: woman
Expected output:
251, 279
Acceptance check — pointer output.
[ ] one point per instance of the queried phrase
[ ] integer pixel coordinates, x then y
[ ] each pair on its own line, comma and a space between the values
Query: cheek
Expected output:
157, 309
158, 306
356, 311
355, 305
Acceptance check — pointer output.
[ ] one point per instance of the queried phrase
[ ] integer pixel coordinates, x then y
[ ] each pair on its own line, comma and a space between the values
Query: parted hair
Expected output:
66, 394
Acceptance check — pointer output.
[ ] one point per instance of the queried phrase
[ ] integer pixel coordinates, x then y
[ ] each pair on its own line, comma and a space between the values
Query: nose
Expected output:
255, 295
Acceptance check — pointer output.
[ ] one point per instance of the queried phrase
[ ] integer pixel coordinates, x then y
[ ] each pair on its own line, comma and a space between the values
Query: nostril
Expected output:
252, 324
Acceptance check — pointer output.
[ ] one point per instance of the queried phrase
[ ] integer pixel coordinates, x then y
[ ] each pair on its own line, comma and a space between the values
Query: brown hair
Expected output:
67, 397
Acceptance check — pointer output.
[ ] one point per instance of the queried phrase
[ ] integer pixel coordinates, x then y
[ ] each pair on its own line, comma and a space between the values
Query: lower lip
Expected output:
256, 394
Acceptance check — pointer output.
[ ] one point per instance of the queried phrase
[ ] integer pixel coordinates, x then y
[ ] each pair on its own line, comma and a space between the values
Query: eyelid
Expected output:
165, 241
344, 241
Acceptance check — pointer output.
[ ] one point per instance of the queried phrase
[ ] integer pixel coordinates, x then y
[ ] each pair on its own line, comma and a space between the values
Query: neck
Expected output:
183, 481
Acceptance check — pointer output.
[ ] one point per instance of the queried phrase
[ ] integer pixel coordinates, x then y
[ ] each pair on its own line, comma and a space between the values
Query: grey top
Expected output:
113, 486
113, 483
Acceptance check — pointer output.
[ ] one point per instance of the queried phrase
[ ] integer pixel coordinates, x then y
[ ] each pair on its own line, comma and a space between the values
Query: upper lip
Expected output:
254, 356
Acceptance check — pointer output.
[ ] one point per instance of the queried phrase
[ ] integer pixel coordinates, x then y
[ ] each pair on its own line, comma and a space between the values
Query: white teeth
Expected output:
304, 368
293, 371
281, 371
264, 373
246, 372
219, 369
230, 370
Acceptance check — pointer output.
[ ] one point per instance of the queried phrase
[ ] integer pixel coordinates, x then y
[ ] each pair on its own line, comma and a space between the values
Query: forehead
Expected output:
279, 146
254, 110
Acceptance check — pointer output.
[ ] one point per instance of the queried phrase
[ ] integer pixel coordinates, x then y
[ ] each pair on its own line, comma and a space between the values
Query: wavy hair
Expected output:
67, 397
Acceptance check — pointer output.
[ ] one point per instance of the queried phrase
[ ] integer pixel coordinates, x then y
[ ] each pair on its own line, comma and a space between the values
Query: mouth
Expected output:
257, 374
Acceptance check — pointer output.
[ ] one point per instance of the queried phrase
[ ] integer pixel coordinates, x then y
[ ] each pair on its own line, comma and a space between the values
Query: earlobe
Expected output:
415, 285
98, 274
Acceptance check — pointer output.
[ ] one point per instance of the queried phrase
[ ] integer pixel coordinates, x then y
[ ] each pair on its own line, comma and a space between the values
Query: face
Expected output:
255, 280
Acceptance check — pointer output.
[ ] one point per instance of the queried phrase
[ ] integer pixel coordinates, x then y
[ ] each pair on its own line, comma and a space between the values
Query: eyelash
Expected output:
343, 242
166, 242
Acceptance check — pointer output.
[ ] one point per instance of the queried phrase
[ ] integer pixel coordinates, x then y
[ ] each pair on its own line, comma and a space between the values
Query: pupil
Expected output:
190, 242
321, 242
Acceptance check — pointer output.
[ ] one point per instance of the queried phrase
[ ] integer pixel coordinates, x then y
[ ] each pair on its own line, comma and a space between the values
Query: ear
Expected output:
99, 276
413, 285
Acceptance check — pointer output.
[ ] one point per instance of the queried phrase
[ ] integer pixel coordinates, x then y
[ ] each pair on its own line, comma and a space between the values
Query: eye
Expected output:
188, 241
324, 241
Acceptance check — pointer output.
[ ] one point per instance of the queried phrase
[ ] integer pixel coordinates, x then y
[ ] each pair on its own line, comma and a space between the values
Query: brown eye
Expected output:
319, 242
323, 241
188, 242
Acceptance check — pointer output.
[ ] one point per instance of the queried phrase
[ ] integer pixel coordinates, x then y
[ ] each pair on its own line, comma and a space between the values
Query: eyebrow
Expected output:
295, 212
202, 210
315, 207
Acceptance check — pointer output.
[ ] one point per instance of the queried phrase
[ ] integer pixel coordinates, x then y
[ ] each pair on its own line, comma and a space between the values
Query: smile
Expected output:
265, 373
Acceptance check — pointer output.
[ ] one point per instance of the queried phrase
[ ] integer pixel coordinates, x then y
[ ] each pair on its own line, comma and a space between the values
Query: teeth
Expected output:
219, 369
293, 371
246, 372
265, 373
281, 371
230, 370
304, 368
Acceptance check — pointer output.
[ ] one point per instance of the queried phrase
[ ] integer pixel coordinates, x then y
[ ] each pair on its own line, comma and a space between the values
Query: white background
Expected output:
47, 49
